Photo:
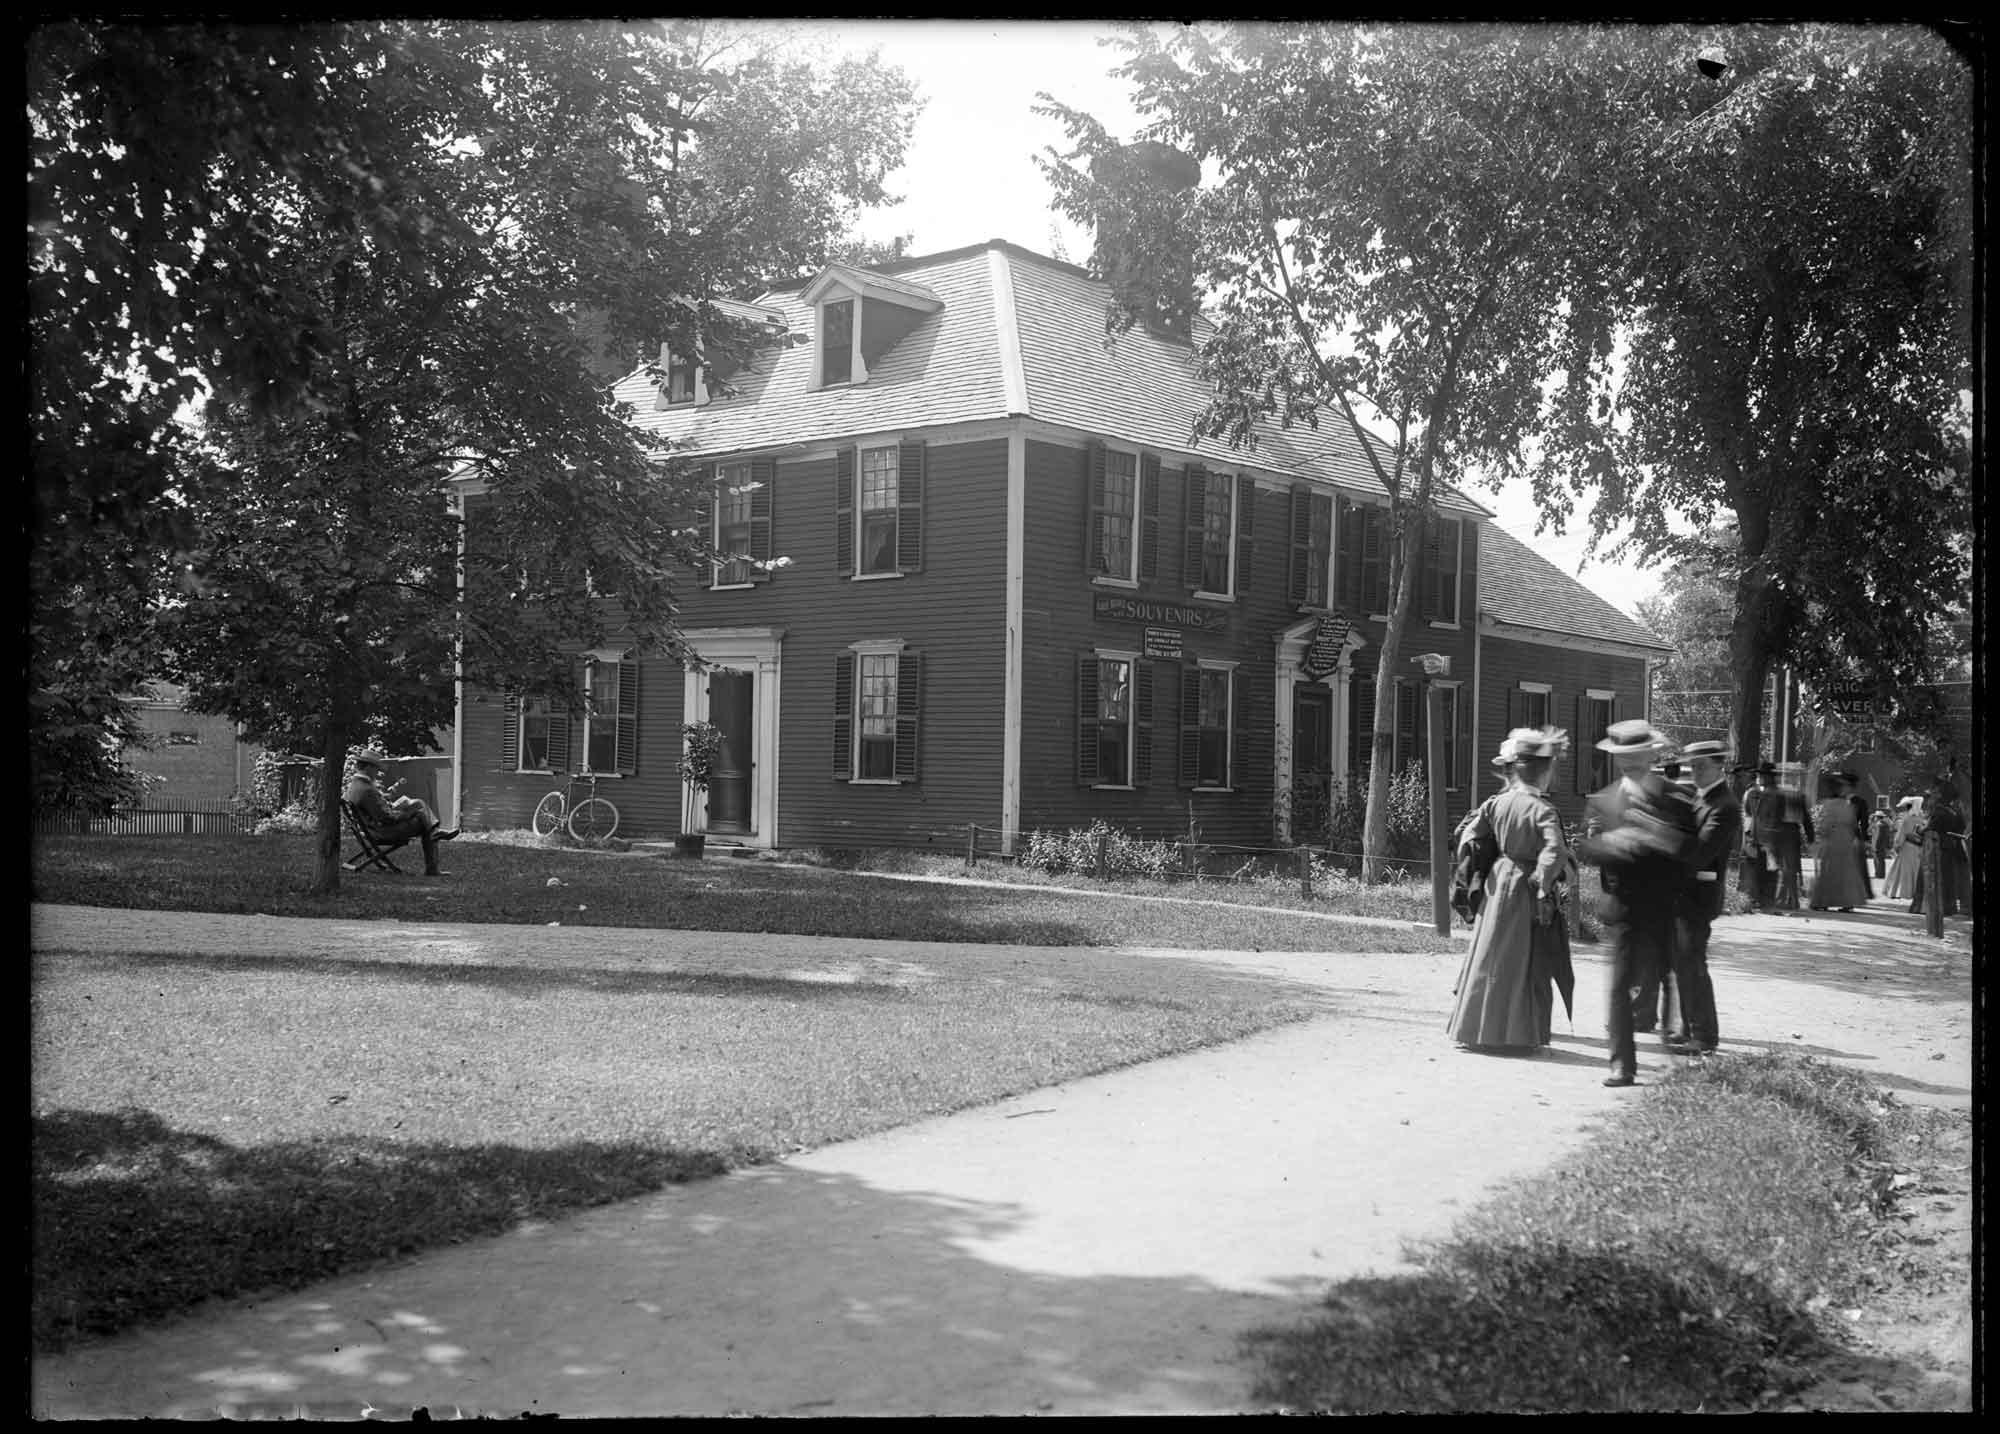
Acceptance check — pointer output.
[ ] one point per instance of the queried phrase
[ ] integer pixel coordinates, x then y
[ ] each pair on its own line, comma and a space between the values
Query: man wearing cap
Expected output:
1638, 832
394, 821
1718, 829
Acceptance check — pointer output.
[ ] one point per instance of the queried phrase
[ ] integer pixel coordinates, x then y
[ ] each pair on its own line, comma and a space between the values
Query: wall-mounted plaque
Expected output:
1322, 654
1163, 642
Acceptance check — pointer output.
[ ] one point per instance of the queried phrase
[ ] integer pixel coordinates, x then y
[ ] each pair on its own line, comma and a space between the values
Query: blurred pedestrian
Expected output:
1946, 823
1638, 832
1839, 884
1718, 831
1784, 827
1520, 941
1882, 834
1908, 861
1657, 1006
1860, 805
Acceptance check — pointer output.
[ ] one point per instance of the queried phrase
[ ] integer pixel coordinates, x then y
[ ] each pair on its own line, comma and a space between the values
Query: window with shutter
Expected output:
1246, 534
533, 745
843, 717
1409, 723
880, 508
610, 715
1194, 510
875, 708
1149, 518
909, 709
1115, 514
836, 347
1096, 556
1214, 711
1374, 568
1142, 723
628, 719
1360, 727
1217, 533
1311, 546
734, 491
1107, 708
843, 512
510, 733
763, 503
910, 506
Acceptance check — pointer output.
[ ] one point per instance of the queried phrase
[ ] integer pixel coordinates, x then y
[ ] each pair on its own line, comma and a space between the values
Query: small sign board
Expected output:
1163, 642
1322, 654
1120, 608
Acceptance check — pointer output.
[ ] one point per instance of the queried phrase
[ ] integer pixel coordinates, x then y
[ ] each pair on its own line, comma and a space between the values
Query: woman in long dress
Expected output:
1909, 859
1504, 997
1838, 885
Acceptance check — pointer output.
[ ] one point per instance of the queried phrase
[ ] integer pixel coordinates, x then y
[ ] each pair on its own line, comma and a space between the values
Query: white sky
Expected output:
970, 176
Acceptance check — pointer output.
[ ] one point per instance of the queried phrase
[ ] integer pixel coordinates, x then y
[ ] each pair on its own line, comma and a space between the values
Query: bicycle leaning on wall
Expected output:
591, 821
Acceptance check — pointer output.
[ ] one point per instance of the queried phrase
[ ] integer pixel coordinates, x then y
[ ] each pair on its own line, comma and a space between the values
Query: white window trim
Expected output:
857, 368
871, 647
1235, 530
521, 733
700, 398
1229, 666
1542, 687
715, 529
1114, 654
1131, 579
1599, 694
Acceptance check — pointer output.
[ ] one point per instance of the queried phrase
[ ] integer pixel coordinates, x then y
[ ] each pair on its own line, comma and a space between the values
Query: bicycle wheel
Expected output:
548, 817
593, 820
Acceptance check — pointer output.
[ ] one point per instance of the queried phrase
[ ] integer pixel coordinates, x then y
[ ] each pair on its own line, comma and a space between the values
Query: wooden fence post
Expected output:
971, 845
1305, 873
1103, 854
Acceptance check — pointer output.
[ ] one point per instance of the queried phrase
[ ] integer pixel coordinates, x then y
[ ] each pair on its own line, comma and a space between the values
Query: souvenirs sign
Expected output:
1120, 608
1322, 654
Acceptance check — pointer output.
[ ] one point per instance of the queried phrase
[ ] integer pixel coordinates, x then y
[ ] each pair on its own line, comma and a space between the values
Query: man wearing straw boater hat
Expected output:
1718, 830
1638, 832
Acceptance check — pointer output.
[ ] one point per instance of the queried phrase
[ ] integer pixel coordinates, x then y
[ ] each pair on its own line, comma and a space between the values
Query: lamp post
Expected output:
1436, 665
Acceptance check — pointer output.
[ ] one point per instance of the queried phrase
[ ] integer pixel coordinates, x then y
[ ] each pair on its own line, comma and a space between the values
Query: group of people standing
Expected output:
1662, 851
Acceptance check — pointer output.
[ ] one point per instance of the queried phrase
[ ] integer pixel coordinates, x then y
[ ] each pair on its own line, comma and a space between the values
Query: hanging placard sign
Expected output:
1323, 652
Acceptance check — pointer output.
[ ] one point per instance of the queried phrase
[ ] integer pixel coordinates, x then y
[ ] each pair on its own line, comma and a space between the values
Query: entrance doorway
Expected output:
729, 795
1312, 759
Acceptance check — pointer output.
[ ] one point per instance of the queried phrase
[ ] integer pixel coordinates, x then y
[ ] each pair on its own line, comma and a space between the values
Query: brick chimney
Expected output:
1145, 247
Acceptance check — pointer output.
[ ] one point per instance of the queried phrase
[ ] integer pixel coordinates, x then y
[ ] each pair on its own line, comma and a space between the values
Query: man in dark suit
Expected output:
1637, 832
1718, 830
1781, 827
1658, 1003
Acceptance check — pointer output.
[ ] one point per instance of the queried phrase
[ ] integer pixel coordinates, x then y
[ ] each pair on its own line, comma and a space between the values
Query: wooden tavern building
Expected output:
1018, 594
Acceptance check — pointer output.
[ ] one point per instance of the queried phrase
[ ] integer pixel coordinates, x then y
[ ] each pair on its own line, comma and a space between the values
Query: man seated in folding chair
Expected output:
396, 821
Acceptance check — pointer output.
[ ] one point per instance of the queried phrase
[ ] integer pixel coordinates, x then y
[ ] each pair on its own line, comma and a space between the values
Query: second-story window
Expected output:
1217, 536
836, 342
732, 523
878, 509
1117, 549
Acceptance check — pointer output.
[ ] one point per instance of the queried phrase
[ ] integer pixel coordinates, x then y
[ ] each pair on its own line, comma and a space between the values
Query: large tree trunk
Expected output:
1754, 635
332, 775
1403, 566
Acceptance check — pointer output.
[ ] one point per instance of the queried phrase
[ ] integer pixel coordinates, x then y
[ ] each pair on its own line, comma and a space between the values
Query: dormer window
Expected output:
862, 316
680, 379
836, 342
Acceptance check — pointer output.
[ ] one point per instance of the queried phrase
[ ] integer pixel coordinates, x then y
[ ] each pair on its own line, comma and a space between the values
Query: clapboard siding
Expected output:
1569, 672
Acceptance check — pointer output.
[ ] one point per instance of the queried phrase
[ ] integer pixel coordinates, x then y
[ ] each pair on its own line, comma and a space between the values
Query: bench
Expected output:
374, 850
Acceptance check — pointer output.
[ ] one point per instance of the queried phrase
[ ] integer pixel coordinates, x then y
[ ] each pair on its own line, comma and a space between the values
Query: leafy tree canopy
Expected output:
286, 282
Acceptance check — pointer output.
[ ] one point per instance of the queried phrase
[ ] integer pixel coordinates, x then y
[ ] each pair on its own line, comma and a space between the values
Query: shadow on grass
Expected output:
1536, 1328
133, 1220
521, 979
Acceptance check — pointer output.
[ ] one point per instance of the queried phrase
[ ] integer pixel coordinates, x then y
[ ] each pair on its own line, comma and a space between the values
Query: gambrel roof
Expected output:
1015, 334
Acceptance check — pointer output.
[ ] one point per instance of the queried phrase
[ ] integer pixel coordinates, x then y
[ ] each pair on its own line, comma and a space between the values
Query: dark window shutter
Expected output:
764, 474
1190, 726
909, 712
1149, 518
1195, 490
559, 720
1234, 776
713, 517
1093, 527
1360, 725
1409, 723
1461, 718
843, 512
910, 506
1468, 572
1427, 571
510, 732
1142, 723
1086, 719
1585, 738
1246, 530
628, 718
1517, 709
843, 716
1374, 595
1295, 587
1447, 574
1347, 539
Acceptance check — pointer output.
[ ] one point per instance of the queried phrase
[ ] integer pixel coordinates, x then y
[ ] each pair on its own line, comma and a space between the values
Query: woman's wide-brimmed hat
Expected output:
1636, 735
1508, 754
1540, 743
1908, 802
372, 756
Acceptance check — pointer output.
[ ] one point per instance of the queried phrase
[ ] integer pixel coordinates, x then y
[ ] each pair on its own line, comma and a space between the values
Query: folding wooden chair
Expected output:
374, 851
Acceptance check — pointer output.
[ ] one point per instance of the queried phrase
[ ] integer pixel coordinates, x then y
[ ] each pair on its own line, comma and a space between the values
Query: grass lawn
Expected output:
218, 1124
498, 881
1689, 1258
